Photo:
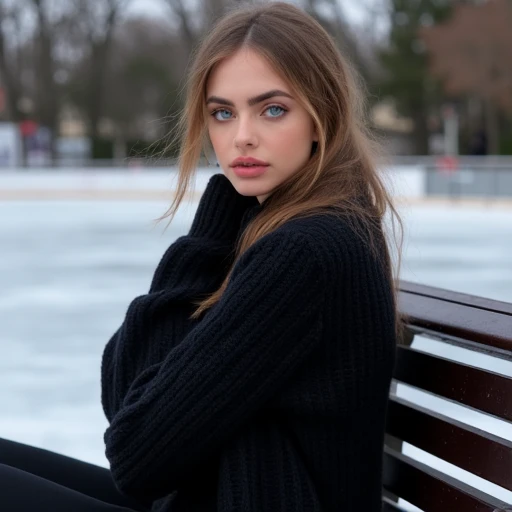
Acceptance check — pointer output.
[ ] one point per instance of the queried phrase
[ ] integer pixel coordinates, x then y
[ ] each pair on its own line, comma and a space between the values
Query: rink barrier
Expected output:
473, 323
486, 182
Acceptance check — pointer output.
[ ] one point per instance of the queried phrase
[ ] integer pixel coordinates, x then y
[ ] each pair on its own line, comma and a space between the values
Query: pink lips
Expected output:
251, 169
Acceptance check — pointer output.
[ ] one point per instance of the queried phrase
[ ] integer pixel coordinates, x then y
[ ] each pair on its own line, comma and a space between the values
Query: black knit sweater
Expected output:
275, 399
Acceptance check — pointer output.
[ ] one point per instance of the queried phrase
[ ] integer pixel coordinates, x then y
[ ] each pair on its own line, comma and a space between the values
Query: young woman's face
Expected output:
254, 116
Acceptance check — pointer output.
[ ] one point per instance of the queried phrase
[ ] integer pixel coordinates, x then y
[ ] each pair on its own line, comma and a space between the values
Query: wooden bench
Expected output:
481, 326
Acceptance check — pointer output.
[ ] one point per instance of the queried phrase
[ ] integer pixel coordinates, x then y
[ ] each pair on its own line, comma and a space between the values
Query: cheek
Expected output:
298, 129
211, 133
215, 140
218, 135
293, 143
284, 139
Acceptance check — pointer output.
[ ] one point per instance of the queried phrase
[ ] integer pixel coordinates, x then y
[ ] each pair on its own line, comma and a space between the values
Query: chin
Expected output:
251, 189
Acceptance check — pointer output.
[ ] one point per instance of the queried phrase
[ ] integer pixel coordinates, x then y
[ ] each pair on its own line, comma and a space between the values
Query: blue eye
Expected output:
279, 114
214, 114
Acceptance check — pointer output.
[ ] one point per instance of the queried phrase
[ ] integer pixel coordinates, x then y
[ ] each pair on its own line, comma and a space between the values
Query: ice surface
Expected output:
68, 270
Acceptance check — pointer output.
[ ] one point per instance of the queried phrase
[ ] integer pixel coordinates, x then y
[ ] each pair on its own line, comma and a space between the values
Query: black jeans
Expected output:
33, 479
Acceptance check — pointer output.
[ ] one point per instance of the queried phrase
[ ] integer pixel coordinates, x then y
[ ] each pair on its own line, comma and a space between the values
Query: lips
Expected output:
248, 162
250, 171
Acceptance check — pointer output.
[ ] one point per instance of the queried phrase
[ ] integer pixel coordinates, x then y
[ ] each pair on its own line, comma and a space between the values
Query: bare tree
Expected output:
47, 90
95, 23
9, 59
184, 16
141, 85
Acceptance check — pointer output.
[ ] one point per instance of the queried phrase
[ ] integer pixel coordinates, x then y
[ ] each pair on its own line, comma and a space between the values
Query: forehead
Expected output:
246, 73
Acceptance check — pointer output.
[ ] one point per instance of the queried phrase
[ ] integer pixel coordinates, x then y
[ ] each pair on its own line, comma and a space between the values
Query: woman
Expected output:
254, 375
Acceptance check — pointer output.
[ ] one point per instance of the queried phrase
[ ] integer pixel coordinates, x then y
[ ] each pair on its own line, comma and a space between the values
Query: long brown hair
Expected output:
341, 176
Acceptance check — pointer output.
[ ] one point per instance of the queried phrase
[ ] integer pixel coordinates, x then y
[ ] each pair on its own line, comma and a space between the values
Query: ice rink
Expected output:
68, 270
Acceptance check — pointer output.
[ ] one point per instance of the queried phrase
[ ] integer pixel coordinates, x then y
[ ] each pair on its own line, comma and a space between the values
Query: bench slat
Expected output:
389, 506
431, 490
458, 297
469, 448
480, 389
468, 321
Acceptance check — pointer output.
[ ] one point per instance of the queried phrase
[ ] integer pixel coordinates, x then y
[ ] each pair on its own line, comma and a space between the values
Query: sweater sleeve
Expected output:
242, 352
192, 267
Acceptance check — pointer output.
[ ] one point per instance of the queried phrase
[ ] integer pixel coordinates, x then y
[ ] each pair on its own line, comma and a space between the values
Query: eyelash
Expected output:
285, 110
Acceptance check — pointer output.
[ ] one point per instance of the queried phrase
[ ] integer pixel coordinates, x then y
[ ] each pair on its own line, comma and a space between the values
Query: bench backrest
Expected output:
473, 323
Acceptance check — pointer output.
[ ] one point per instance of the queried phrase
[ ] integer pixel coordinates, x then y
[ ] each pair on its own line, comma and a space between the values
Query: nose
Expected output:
245, 133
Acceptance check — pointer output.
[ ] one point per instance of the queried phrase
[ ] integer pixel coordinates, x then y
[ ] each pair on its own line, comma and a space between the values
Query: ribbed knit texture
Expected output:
275, 399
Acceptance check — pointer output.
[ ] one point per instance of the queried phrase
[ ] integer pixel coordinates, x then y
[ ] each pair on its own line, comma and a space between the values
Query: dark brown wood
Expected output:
457, 297
431, 490
477, 324
481, 453
462, 316
480, 389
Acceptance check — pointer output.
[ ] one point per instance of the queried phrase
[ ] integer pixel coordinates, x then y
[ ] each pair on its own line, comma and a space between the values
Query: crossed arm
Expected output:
178, 412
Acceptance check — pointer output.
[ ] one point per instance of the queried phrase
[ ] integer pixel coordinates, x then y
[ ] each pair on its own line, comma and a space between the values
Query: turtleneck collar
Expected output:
251, 213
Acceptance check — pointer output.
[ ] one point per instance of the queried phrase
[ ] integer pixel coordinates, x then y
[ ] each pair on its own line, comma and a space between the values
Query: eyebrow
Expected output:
250, 101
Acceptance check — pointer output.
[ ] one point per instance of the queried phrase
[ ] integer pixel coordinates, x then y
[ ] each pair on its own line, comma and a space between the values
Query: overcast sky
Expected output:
351, 9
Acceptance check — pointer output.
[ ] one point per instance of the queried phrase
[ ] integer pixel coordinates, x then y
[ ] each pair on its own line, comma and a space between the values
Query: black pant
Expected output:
32, 479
